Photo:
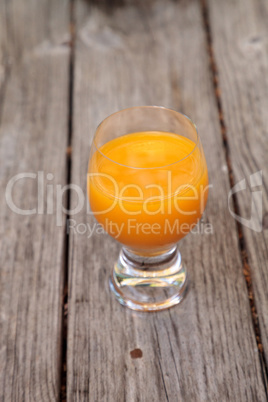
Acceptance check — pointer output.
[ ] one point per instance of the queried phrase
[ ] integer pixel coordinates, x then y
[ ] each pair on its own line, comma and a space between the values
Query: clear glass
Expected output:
147, 187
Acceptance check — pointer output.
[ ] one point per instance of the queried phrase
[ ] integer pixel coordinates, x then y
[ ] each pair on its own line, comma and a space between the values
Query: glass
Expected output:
148, 187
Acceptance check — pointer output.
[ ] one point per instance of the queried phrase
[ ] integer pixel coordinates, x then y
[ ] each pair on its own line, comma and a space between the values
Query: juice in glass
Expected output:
148, 189
147, 186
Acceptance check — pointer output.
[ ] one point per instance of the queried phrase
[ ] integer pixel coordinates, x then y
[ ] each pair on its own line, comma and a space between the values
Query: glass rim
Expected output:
148, 107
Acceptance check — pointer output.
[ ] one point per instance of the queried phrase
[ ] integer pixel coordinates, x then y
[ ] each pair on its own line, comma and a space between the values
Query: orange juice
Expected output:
148, 189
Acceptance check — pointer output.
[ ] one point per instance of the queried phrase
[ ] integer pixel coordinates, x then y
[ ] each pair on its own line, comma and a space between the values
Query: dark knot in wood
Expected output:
136, 353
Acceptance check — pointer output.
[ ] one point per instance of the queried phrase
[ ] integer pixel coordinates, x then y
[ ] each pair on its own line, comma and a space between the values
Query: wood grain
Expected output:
204, 349
240, 42
33, 135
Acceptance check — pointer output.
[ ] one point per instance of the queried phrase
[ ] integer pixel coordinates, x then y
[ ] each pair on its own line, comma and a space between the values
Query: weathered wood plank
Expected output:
204, 349
240, 33
33, 135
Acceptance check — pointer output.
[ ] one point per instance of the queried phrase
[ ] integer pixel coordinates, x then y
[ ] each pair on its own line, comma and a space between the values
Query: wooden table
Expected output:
63, 68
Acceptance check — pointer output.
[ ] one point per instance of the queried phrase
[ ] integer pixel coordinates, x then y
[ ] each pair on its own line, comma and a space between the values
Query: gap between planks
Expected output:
241, 237
64, 335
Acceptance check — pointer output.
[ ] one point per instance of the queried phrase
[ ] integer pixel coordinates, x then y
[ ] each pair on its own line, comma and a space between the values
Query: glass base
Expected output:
149, 282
